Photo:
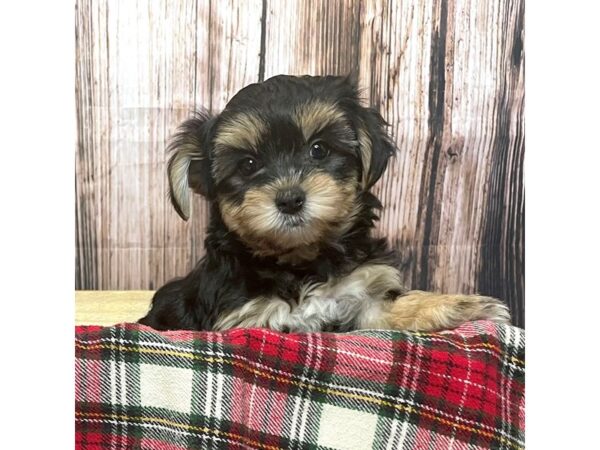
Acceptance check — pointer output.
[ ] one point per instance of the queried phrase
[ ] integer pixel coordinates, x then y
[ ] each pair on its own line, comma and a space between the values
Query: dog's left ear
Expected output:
375, 145
189, 165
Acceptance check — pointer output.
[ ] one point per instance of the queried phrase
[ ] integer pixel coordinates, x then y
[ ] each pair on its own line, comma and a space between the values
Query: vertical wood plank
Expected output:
201, 100
235, 43
92, 157
502, 268
304, 37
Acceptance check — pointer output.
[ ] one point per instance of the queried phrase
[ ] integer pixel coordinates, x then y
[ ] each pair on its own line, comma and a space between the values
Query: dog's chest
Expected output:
287, 285
290, 302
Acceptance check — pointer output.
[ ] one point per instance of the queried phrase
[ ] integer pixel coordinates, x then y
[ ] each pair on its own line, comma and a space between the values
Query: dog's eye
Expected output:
318, 151
248, 166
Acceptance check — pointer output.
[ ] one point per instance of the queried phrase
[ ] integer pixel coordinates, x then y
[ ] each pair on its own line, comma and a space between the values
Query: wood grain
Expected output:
304, 37
106, 308
135, 84
447, 75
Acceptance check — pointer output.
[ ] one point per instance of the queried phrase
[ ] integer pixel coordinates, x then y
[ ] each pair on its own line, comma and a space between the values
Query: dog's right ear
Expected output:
189, 165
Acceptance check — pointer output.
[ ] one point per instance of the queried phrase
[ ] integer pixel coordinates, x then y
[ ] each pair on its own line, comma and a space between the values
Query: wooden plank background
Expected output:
447, 75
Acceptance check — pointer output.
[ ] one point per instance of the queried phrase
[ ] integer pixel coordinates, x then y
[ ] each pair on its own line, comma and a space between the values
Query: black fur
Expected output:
229, 274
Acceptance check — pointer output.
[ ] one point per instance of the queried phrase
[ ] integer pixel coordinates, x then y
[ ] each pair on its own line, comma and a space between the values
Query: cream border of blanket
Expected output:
110, 307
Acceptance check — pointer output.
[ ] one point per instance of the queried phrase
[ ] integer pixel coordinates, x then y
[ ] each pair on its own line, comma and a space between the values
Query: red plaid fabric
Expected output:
137, 388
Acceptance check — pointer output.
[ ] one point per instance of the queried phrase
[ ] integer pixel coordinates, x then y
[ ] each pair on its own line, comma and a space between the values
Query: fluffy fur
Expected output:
287, 168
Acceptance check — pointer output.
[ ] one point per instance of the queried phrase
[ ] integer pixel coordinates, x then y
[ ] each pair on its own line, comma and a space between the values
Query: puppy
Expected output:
287, 168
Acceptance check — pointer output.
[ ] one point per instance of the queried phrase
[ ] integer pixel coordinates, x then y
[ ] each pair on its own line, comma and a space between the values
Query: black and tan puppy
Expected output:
287, 168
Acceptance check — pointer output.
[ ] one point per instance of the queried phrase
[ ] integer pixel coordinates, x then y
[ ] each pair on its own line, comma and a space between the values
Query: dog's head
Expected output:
286, 161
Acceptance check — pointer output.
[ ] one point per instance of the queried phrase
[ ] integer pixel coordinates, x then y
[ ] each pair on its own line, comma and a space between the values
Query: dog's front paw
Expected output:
478, 307
428, 311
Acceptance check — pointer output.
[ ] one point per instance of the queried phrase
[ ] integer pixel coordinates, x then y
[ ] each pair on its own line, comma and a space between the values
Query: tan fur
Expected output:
242, 131
366, 149
297, 255
178, 175
329, 208
427, 311
312, 117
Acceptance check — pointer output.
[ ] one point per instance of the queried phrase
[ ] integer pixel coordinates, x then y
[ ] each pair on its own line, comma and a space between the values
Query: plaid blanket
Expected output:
137, 388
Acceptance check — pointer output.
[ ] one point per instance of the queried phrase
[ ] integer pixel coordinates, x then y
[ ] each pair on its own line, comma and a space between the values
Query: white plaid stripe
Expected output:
304, 397
503, 385
405, 431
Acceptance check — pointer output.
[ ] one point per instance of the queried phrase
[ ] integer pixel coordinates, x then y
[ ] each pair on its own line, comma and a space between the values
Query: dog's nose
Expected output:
290, 201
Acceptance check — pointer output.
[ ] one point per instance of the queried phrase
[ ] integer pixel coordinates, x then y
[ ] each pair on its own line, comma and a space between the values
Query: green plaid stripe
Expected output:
138, 388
